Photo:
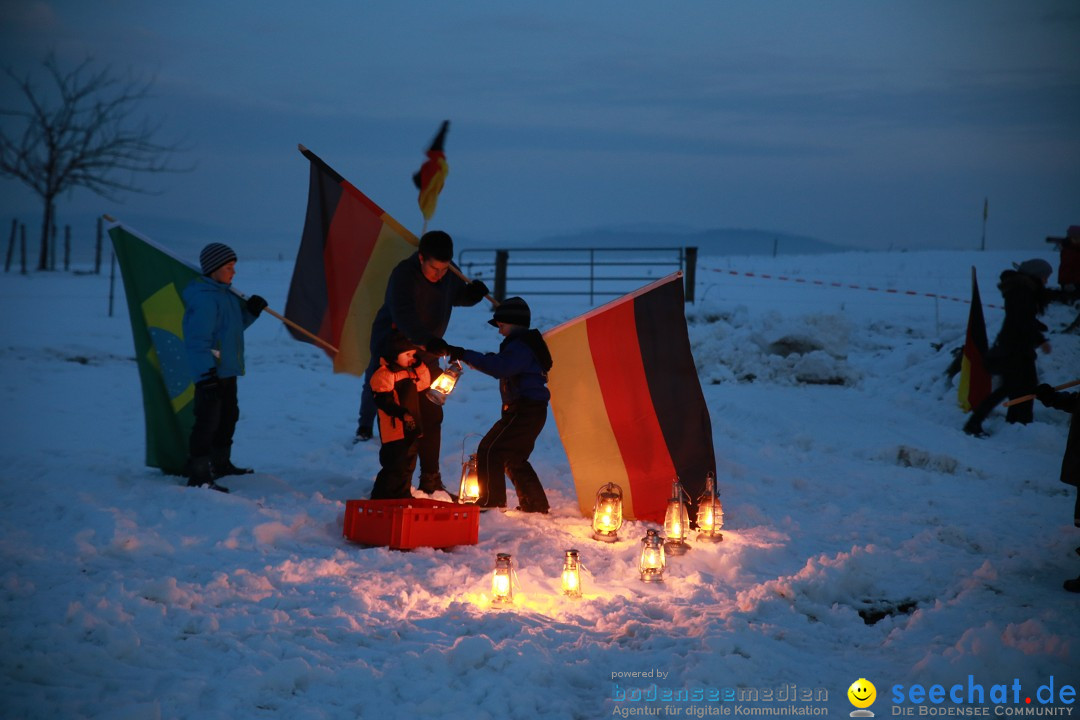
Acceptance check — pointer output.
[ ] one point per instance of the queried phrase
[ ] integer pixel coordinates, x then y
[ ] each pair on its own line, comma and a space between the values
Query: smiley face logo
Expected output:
862, 693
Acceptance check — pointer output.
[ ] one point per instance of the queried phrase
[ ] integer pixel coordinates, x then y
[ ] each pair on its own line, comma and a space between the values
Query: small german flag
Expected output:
627, 401
431, 176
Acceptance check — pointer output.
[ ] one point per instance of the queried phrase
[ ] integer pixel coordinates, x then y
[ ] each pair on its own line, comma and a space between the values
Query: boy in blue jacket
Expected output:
214, 322
521, 366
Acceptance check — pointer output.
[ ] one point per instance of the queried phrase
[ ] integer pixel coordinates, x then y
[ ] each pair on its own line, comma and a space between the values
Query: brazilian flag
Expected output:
153, 282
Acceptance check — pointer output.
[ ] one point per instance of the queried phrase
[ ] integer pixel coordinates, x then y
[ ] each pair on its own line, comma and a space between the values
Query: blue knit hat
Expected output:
214, 255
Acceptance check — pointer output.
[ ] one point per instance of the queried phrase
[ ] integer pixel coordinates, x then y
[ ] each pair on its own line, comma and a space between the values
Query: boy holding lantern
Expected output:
521, 366
396, 386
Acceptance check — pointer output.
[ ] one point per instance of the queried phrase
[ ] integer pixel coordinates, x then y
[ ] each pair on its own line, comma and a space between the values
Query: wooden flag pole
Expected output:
1025, 398
315, 338
456, 271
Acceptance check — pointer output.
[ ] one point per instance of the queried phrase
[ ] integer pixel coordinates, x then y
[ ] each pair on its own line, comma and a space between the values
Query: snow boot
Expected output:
363, 434
201, 474
1073, 585
222, 465
974, 429
431, 483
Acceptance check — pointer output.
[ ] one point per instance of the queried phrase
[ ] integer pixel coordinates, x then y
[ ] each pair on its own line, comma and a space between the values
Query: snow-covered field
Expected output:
866, 536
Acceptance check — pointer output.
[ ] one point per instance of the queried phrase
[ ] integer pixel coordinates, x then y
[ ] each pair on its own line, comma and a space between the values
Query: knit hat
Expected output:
1036, 268
437, 245
214, 255
512, 311
395, 344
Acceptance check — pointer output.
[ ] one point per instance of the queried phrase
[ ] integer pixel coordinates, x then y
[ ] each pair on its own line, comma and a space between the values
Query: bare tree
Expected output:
81, 134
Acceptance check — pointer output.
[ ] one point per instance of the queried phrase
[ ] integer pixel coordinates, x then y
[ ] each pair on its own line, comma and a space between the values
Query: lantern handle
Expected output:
467, 436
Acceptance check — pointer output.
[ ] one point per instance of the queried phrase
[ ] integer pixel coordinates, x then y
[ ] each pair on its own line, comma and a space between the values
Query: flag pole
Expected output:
1025, 398
315, 338
986, 211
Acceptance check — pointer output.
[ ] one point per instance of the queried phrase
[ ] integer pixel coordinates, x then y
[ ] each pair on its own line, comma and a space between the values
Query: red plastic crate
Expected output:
406, 524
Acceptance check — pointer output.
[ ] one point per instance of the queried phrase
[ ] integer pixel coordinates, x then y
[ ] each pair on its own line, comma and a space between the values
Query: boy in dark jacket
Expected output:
396, 386
1012, 356
521, 365
214, 322
1070, 463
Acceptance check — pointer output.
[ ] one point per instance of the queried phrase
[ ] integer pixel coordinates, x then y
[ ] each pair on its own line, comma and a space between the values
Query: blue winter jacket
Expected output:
521, 366
214, 320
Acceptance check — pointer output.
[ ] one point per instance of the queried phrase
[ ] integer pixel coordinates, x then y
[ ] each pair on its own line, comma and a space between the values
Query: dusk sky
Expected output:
868, 124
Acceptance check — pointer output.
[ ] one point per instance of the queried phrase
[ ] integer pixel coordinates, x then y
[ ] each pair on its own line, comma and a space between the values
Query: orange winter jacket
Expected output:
397, 391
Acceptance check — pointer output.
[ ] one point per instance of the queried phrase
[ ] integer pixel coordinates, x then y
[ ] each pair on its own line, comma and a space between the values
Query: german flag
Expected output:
431, 176
347, 251
627, 401
974, 379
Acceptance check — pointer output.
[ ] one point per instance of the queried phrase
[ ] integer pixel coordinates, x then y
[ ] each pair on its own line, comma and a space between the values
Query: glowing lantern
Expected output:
444, 384
571, 575
652, 563
710, 513
469, 491
676, 521
502, 581
607, 513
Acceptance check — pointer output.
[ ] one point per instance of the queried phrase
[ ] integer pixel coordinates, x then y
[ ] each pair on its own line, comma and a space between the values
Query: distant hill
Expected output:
717, 241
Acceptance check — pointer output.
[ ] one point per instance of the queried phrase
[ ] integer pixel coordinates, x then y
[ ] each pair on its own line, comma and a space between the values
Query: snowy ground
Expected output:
848, 490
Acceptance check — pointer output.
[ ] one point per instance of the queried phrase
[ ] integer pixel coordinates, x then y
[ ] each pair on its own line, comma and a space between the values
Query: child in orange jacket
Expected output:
397, 385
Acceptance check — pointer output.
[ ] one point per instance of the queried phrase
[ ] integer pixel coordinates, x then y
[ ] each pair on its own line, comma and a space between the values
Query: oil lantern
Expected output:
571, 575
676, 521
710, 513
652, 563
502, 581
444, 384
607, 513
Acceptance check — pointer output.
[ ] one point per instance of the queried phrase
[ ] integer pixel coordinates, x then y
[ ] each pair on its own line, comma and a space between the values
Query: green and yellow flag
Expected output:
153, 282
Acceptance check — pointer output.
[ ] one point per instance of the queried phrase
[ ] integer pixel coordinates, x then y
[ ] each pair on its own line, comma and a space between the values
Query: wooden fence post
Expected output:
11, 245
691, 273
112, 281
67, 248
97, 248
502, 257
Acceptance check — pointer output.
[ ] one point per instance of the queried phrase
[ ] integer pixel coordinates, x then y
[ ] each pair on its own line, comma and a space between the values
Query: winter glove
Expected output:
1045, 393
256, 304
455, 352
437, 346
474, 292
409, 421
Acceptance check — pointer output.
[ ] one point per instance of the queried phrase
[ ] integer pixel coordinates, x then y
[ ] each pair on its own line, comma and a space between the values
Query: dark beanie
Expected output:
214, 255
512, 311
395, 344
1036, 268
437, 245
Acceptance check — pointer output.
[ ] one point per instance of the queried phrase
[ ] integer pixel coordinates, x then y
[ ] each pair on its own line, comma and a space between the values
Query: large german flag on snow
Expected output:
974, 378
347, 251
627, 401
